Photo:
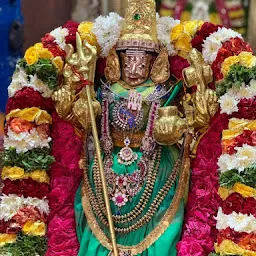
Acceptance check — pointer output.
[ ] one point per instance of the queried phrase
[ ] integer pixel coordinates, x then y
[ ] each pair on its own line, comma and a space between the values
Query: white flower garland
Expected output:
164, 28
10, 204
107, 30
243, 158
60, 35
25, 141
237, 221
20, 80
214, 42
229, 101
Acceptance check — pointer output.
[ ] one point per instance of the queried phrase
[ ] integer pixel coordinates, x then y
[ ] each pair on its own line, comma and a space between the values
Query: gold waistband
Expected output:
119, 137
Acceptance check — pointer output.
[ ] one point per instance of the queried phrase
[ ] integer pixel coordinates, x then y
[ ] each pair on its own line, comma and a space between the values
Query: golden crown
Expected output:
139, 30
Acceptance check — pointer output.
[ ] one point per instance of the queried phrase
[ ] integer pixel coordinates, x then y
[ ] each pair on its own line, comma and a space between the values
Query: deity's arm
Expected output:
79, 71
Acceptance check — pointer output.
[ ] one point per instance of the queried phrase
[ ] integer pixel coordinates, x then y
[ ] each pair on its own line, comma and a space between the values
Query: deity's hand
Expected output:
169, 127
82, 114
63, 99
212, 102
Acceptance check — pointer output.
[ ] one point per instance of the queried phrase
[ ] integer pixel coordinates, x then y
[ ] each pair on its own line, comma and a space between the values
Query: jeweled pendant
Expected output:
126, 156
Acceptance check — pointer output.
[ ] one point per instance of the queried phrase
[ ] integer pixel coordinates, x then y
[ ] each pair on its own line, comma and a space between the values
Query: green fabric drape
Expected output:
166, 244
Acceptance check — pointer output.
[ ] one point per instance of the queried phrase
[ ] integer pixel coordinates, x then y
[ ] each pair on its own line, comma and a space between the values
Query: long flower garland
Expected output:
24, 204
228, 218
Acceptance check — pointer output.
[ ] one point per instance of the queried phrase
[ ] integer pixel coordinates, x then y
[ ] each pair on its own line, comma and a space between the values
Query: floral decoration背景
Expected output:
40, 167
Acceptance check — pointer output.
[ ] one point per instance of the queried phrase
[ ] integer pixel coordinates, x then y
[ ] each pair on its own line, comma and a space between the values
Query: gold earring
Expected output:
112, 70
160, 71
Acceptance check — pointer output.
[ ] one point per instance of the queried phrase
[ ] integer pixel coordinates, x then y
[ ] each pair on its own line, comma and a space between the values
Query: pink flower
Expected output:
190, 247
196, 228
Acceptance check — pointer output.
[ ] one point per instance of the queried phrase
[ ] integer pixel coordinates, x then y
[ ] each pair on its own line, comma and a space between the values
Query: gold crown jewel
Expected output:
140, 29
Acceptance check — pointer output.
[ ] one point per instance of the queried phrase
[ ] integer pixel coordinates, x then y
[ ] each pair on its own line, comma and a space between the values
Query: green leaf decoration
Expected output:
25, 246
44, 69
237, 75
37, 159
246, 177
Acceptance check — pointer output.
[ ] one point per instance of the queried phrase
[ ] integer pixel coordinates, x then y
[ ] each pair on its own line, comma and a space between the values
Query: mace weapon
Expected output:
81, 66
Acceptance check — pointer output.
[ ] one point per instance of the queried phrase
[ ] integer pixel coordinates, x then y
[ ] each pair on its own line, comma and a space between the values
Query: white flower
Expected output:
38, 85
237, 221
245, 156
164, 28
10, 204
221, 220
233, 92
107, 30
60, 34
20, 80
210, 50
253, 87
226, 162
214, 42
41, 205
228, 104
25, 141
244, 92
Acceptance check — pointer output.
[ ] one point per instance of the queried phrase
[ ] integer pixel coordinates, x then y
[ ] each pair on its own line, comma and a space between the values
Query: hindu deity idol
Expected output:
144, 135
120, 115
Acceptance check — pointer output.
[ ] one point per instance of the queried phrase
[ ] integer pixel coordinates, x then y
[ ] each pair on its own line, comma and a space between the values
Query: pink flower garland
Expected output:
199, 232
65, 179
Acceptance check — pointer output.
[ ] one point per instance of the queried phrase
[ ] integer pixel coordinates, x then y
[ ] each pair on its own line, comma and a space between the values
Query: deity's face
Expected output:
136, 67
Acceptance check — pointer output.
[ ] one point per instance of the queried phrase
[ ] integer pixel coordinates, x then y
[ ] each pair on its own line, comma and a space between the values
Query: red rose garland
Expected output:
72, 28
65, 179
199, 230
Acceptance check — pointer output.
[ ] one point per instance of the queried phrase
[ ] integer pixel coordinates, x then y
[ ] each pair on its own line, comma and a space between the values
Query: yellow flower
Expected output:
31, 56
192, 26
12, 173
224, 192
43, 118
228, 62
85, 31
17, 173
34, 229
38, 46
34, 53
185, 16
247, 59
228, 247
184, 43
244, 190
31, 115
40, 176
58, 63
177, 32
45, 54
215, 18
7, 238
236, 14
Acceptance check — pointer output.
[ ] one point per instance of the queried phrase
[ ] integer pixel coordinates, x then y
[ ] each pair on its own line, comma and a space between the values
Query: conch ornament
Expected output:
201, 106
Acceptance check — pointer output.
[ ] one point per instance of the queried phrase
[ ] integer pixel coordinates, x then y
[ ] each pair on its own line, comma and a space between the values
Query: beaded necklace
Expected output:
123, 188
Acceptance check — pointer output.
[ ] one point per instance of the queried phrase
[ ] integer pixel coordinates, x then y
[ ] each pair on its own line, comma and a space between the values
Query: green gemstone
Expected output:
137, 16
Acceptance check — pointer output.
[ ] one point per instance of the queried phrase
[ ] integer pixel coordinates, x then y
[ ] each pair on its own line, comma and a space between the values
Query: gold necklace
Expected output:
151, 211
138, 209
